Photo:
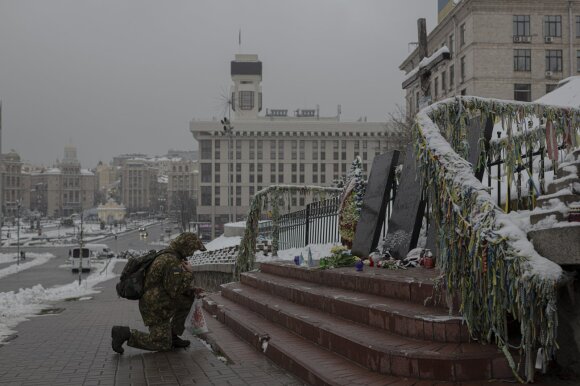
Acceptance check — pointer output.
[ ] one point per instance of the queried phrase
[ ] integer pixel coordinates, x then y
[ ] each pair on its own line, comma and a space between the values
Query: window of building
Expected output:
260, 149
451, 43
205, 148
302, 149
323, 178
522, 60
464, 91
462, 69
301, 178
553, 25
343, 169
217, 149
436, 87
206, 195
216, 175
577, 61
252, 173
205, 172
356, 148
293, 178
343, 150
216, 196
272, 149
335, 150
246, 100
521, 25
315, 178
272, 178
443, 82
462, 35
578, 26
280, 168
238, 149
365, 147
238, 173
554, 60
280, 149
523, 92
252, 149
322, 150
451, 77
315, 150
294, 150
551, 87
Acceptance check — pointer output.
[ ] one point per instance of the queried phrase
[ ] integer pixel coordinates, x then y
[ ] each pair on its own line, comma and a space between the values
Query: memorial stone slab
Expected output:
408, 210
381, 178
474, 133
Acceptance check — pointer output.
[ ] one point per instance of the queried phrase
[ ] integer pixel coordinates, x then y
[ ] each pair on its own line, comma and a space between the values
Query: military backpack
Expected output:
131, 285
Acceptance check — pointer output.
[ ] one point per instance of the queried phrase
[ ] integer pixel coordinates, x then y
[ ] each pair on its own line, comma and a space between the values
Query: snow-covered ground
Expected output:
318, 251
32, 259
16, 307
54, 233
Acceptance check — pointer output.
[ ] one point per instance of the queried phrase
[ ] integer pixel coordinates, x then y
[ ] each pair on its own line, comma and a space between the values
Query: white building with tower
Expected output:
301, 148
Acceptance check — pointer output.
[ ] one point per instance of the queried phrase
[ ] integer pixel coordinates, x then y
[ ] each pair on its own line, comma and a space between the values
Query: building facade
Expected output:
62, 190
139, 185
11, 174
277, 148
508, 49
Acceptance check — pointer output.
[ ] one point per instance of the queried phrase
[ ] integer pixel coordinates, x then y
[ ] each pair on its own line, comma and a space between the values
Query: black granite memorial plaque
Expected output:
408, 210
473, 139
368, 229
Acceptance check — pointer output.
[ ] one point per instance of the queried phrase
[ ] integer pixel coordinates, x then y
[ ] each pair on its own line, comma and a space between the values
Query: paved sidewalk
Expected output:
73, 347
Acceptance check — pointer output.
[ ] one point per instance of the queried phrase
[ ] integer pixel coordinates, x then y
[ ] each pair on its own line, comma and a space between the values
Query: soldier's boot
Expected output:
120, 335
177, 342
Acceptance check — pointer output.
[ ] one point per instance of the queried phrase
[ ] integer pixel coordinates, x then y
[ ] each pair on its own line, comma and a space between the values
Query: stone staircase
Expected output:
553, 236
342, 327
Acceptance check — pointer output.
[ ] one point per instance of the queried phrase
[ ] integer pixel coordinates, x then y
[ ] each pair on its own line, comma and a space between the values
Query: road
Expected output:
53, 274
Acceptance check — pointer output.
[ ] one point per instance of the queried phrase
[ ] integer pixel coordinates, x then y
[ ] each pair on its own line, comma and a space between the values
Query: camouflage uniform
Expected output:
168, 296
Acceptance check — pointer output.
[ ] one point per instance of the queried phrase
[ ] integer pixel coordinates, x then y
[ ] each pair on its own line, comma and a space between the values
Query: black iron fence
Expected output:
318, 223
528, 178
315, 224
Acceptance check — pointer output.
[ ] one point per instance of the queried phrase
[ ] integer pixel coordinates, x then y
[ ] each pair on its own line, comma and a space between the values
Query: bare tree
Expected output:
399, 122
183, 205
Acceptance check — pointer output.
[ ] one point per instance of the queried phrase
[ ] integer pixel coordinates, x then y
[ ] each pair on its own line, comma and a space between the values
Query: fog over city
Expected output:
123, 76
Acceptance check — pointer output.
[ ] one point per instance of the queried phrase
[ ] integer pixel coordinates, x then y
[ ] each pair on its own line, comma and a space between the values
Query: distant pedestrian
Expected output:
169, 294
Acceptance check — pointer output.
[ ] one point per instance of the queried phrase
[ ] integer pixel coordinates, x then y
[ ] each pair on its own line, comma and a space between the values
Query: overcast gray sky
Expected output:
119, 76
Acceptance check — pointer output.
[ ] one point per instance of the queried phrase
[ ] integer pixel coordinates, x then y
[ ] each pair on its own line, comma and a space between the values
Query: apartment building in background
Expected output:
505, 49
154, 184
280, 147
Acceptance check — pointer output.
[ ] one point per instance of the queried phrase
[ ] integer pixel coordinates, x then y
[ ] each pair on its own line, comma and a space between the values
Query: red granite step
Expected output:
374, 349
304, 359
414, 285
393, 315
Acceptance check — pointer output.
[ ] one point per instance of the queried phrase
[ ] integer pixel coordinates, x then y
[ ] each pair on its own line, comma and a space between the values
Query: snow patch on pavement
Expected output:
36, 259
16, 307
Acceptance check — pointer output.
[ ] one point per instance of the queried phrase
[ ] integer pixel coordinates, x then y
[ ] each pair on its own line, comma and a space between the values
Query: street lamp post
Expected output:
228, 129
18, 204
81, 250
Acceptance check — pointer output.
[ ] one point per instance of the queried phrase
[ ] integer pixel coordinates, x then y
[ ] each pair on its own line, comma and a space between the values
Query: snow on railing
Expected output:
485, 259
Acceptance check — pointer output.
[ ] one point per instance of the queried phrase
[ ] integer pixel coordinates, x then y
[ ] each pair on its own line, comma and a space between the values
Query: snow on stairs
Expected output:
553, 237
332, 327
